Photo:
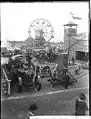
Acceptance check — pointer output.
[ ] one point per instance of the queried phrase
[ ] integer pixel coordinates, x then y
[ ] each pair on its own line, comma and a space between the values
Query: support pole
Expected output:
69, 45
9, 87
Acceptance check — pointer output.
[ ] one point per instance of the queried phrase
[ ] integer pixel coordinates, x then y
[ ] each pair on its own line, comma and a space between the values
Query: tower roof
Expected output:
70, 23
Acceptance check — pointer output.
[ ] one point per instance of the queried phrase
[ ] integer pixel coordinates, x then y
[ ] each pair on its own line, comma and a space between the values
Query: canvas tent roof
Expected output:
6, 44
71, 23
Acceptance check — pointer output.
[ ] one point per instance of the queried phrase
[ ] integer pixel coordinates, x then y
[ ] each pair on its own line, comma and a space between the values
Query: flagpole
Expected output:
75, 17
69, 35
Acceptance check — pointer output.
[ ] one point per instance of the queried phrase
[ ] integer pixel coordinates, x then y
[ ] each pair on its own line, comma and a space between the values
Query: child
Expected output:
32, 111
80, 105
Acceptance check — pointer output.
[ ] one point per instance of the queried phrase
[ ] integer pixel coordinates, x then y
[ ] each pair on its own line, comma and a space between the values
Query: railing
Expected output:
6, 78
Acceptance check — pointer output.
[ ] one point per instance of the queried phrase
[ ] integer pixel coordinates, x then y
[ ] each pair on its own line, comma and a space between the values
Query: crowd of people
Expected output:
21, 70
36, 70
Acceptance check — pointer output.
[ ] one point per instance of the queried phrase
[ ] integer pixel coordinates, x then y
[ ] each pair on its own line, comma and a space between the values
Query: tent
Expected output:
7, 45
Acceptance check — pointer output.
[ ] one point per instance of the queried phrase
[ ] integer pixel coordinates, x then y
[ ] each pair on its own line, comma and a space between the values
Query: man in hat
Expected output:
37, 69
20, 85
28, 58
66, 79
80, 105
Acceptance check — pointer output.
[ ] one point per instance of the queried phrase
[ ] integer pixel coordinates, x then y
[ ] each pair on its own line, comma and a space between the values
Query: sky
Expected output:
16, 18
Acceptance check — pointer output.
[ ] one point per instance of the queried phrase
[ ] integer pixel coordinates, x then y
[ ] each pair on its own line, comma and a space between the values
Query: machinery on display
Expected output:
57, 78
10, 72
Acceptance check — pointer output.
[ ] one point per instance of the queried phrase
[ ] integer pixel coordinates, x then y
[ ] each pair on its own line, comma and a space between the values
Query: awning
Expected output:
40, 49
15, 56
82, 47
7, 45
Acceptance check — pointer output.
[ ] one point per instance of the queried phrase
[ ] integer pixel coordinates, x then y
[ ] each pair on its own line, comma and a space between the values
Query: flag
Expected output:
75, 17
78, 18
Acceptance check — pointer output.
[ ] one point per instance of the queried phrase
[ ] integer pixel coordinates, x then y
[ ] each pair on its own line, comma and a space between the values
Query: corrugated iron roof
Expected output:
71, 23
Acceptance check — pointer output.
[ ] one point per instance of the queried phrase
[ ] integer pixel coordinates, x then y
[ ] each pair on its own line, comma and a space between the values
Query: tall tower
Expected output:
70, 29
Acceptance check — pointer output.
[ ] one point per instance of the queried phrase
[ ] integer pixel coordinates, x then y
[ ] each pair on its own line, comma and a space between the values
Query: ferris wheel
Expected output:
41, 27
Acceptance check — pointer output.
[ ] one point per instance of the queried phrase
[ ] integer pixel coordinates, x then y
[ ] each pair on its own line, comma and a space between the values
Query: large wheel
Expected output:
41, 27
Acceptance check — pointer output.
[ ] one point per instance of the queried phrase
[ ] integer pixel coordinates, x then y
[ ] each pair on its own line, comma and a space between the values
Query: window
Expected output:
80, 55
